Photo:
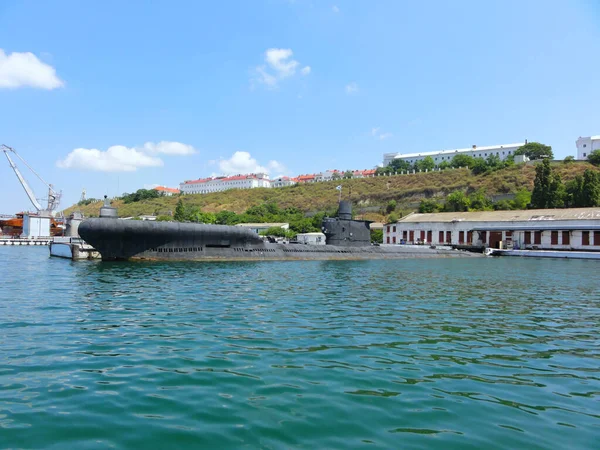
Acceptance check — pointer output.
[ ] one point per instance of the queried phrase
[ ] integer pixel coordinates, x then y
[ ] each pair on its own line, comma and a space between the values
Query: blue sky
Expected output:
175, 88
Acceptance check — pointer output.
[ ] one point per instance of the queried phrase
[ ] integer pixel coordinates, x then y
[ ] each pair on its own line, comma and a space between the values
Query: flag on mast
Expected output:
339, 188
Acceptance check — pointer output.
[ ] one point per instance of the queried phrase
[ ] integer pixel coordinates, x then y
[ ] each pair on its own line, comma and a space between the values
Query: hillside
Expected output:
369, 195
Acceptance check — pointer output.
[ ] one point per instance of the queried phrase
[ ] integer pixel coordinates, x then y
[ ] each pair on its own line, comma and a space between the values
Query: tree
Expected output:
479, 201
479, 166
594, 157
522, 199
585, 191
336, 176
429, 206
393, 218
535, 150
591, 187
398, 165
179, 215
457, 201
377, 236
274, 231
502, 205
548, 190
426, 163
444, 165
348, 174
569, 159
462, 161
226, 218
391, 206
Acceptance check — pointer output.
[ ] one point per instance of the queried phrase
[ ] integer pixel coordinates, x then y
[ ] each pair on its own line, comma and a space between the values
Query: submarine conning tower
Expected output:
107, 211
343, 231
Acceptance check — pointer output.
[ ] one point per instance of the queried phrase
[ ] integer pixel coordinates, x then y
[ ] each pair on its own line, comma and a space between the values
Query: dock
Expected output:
73, 248
26, 241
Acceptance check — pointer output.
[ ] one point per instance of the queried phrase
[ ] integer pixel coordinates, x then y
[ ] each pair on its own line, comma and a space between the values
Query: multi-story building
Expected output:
503, 151
217, 184
586, 145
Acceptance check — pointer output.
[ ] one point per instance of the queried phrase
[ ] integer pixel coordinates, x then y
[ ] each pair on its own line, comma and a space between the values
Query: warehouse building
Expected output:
543, 229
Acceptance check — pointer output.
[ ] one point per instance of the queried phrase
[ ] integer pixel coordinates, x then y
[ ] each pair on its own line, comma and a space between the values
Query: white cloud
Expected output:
279, 65
376, 133
242, 163
276, 166
119, 158
25, 69
279, 59
352, 88
169, 148
335, 9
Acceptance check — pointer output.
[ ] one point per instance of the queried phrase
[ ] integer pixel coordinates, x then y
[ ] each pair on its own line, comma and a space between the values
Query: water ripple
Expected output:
486, 353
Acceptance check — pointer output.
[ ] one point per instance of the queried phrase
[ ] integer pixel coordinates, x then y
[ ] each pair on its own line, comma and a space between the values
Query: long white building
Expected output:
586, 145
544, 229
503, 151
217, 184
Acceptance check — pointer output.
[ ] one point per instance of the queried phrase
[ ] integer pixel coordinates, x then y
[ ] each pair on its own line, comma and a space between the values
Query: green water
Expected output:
470, 353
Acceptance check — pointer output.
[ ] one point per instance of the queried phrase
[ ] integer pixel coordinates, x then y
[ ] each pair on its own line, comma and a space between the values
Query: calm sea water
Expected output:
469, 353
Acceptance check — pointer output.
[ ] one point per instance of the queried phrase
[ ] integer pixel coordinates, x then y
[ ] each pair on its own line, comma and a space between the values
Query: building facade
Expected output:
218, 184
283, 182
260, 227
166, 190
586, 145
542, 229
502, 151
311, 238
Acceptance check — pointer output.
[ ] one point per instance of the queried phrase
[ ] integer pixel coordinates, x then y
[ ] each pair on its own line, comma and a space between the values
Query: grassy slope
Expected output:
368, 194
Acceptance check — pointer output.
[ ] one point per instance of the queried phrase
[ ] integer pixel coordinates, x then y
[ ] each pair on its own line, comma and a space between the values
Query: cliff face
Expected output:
368, 194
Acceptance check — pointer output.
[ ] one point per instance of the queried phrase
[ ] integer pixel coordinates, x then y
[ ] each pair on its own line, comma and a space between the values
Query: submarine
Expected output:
345, 239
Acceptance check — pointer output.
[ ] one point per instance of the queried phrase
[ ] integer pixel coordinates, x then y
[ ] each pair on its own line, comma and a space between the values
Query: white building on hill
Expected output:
544, 229
503, 151
586, 145
217, 184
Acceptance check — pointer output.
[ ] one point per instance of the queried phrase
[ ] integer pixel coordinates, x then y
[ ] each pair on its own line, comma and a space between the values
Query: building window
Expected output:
596, 237
441, 237
388, 228
527, 237
554, 238
566, 238
537, 238
461, 237
388, 239
585, 238
584, 155
404, 234
394, 229
584, 145
448, 237
394, 239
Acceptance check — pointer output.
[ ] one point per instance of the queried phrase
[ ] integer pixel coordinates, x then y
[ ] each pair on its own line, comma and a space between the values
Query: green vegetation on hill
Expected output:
372, 197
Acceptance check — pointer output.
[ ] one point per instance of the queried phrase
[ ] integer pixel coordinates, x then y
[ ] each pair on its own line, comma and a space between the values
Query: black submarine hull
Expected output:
117, 240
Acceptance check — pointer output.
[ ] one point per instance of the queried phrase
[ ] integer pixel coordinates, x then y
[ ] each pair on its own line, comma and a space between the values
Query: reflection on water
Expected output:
485, 353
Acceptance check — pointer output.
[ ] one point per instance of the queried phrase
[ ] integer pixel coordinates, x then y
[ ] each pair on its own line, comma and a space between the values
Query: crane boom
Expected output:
28, 190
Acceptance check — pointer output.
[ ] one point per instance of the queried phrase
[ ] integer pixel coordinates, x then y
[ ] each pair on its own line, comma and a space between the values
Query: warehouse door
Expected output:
495, 238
